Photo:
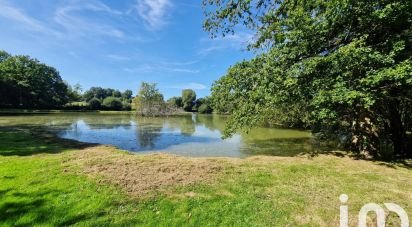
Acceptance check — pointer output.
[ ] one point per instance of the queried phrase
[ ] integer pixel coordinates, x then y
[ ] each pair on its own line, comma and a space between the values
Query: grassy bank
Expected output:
47, 181
39, 111
12, 112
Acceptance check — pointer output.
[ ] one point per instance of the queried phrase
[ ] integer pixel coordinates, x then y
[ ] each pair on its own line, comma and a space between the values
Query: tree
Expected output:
4, 55
74, 92
95, 92
176, 101
149, 101
112, 103
117, 94
25, 82
94, 104
127, 94
345, 66
188, 99
204, 105
205, 109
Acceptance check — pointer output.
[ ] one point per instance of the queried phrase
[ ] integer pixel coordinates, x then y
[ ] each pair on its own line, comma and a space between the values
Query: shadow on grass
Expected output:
290, 147
27, 209
28, 141
311, 148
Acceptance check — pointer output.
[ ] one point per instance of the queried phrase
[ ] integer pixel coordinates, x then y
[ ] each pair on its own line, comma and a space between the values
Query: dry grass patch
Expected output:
271, 190
143, 174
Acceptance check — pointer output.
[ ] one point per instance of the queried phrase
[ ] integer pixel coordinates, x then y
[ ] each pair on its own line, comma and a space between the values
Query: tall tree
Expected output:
176, 101
149, 101
127, 94
346, 65
188, 99
74, 92
28, 83
4, 55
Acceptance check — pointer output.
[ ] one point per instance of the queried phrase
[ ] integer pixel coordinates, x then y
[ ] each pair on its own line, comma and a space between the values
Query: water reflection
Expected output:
196, 135
147, 135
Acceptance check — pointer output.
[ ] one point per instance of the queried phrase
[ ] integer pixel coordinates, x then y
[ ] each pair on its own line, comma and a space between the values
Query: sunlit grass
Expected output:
39, 185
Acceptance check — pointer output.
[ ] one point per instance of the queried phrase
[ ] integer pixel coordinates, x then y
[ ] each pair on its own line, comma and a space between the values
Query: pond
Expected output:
189, 135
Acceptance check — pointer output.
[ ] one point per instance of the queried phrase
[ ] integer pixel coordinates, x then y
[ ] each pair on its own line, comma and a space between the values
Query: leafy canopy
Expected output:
339, 66
188, 99
149, 100
26, 82
112, 103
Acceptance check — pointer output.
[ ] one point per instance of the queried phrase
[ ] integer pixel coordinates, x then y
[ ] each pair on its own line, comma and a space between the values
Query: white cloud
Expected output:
236, 41
153, 12
73, 54
165, 66
182, 70
140, 69
181, 63
118, 57
9, 12
92, 5
150, 68
194, 86
70, 23
76, 25
207, 50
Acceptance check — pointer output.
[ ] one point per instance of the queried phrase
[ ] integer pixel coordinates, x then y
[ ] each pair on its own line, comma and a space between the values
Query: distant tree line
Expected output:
150, 102
25, 82
189, 103
99, 98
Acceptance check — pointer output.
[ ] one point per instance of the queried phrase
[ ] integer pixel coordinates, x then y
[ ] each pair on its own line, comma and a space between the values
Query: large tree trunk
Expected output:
397, 131
365, 136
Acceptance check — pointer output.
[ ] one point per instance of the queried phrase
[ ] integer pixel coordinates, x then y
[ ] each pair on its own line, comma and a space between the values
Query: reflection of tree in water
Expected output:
107, 121
187, 126
212, 122
147, 134
285, 146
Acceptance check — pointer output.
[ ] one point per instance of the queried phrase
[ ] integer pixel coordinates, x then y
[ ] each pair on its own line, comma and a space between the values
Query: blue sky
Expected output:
119, 44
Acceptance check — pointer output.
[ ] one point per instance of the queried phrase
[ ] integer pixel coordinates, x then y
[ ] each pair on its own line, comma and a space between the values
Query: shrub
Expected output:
205, 109
126, 105
94, 104
112, 103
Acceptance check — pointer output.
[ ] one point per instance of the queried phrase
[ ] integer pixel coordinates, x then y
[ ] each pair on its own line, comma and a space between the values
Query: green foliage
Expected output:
96, 92
188, 99
205, 109
203, 105
126, 105
176, 101
149, 101
74, 93
4, 55
117, 94
114, 97
127, 94
340, 67
94, 104
25, 82
112, 103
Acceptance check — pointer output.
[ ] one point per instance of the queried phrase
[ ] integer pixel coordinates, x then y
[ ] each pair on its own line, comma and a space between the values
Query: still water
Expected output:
189, 135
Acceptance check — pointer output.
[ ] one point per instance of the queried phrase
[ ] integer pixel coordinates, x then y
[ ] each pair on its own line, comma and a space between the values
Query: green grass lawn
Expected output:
40, 184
